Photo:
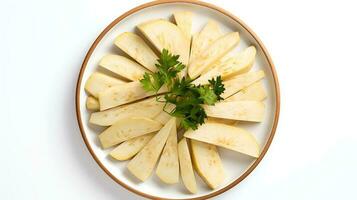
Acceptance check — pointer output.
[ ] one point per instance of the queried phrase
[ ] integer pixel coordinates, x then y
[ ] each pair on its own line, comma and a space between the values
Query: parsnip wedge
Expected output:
123, 67
92, 104
126, 129
230, 66
166, 35
146, 108
130, 148
207, 163
213, 53
168, 168
183, 20
186, 169
252, 111
254, 92
201, 41
222, 121
163, 117
240, 82
98, 82
135, 47
142, 165
124, 93
230, 137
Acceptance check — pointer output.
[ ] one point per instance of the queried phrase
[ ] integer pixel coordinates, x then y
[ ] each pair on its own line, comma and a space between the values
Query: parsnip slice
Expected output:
252, 111
166, 35
130, 148
92, 104
207, 163
142, 165
135, 47
213, 53
254, 92
222, 121
230, 137
186, 169
123, 66
163, 117
146, 108
126, 129
183, 20
124, 93
201, 41
241, 81
98, 82
230, 66
168, 168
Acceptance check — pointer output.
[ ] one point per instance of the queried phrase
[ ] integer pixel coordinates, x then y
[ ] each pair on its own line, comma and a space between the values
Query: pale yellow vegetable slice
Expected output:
222, 120
124, 93
146, 108
163, 117
135, 47
230, 66
212, 54
207, 163
166, 35
98, 82
142, 165
230, 137
92, 104
168, 168
254, 92
252, 111
186, 169
130, 148
126, 129
240, 82
183, 20
123, 67
201, 41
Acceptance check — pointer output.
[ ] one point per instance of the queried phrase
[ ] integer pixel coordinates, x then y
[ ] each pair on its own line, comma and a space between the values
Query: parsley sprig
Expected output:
187, 97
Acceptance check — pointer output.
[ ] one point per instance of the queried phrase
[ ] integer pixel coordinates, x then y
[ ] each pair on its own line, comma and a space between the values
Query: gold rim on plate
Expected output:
207, 5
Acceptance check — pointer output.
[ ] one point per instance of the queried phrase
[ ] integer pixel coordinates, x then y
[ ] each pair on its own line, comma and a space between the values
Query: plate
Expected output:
237, 166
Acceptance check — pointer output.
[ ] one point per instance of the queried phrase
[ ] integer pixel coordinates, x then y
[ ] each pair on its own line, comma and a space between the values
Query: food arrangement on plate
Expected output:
175, 98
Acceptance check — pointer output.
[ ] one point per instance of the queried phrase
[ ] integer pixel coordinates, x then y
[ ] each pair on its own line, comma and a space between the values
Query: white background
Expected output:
313, 45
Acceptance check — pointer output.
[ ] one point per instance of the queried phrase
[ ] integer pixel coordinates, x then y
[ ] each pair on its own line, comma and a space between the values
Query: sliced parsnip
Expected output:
254, 92
207, 163
222, 120
186, 169
201, 41
123, 66
130, 148
168, 168
92, 104
231, 66
98, 82
124, 93
166, 35
240, 82
183, 20
163, 117
135, 47
146, 108
252, 111
213, 53
126, 129
230, 137
142, 165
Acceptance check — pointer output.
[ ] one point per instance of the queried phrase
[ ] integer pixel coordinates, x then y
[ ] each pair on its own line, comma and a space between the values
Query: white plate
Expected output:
237, 166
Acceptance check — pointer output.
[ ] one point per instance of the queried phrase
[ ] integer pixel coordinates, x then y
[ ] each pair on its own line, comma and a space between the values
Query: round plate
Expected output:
237, 166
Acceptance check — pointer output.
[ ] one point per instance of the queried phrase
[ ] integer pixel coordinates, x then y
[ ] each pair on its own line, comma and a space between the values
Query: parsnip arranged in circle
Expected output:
183, 20
207, 163
126, 129
186, 169
99, 82
254, 92
92, 104
136, 48
230, 137
142, 165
